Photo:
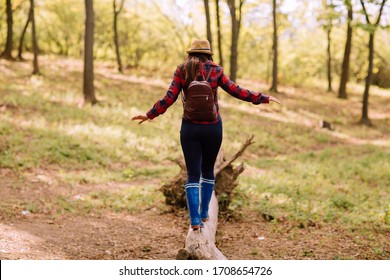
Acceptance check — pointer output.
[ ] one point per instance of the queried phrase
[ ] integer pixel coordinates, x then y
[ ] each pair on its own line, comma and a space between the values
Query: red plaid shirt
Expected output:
217, 78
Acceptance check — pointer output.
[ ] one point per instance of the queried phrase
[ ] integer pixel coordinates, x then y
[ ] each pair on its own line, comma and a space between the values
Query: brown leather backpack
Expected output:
199, 103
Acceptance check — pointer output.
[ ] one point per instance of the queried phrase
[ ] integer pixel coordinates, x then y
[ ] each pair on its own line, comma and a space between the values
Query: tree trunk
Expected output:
34, 40
7, 53
365, 120
208, 22
269, 66
200, 244
88, 88
116, 39
21, 41
329, 56
347, 54
274, 86
236, 24
219, 33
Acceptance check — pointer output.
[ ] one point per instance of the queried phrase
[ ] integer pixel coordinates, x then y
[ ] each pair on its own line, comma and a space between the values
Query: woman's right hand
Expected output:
274, 99
140, 117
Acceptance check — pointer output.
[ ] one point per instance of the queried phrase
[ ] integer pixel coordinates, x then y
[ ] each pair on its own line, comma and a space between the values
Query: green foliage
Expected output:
370, 28
155, 37
63, 27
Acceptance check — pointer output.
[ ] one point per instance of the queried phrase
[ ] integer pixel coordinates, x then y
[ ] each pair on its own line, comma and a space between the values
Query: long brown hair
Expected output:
192, 64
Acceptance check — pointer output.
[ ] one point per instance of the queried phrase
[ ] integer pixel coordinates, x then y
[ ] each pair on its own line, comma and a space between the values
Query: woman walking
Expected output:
201, 128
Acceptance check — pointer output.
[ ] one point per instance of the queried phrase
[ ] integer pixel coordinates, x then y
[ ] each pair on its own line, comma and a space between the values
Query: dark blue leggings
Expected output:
200, 144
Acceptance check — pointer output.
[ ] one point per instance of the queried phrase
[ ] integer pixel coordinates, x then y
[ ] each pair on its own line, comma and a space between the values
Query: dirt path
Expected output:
153, 235
110, 236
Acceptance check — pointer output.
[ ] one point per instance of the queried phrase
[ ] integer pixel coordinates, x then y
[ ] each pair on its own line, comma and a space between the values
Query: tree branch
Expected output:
117, 11
380, 12
365, 12
247, 143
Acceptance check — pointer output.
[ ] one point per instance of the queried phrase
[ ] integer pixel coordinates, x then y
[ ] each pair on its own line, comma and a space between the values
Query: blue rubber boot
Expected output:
207, 187
192, 195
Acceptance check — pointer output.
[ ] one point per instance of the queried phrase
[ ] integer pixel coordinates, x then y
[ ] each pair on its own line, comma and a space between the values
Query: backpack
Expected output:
199, 104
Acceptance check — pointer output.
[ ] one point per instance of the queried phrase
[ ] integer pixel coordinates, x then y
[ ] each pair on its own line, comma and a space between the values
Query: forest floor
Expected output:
83, 183
158, 234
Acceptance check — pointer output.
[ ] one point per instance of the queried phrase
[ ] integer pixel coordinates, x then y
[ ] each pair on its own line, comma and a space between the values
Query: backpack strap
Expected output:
208, 75
216, 93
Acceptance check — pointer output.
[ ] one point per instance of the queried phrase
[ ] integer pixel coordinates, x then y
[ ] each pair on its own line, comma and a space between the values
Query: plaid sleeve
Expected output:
238, 92
173, 92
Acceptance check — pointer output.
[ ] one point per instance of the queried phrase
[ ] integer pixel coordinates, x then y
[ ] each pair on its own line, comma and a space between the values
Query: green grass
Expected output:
134, 199
347, 184
298, 172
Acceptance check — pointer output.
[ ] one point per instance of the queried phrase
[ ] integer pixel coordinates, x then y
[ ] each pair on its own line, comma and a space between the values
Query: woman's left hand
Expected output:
140, 117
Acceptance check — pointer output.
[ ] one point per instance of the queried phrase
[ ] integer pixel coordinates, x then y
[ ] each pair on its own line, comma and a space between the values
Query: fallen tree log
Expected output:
201, 244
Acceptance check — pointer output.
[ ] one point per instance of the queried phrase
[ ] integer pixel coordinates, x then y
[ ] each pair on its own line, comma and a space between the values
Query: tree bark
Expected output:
274, 85
208, 22
88, 87
34, 40
365, 119
235, 14
347, 53
21, 41
219, 33
7, 53
328, 26
329, 56
116, 39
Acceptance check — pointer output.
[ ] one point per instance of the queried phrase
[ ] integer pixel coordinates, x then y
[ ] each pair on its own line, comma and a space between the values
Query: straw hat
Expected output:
200, 46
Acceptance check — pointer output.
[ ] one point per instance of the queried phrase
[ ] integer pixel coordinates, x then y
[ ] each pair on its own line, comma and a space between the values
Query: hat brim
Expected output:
206, 51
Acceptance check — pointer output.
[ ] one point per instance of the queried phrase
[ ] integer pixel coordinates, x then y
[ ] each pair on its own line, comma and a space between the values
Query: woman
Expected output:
200, 139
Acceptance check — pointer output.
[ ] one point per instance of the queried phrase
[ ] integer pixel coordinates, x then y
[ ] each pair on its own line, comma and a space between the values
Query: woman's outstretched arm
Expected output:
243, 94
162, 105
171, 96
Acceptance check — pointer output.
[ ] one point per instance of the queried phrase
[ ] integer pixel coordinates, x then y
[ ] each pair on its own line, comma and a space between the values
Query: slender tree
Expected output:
274, 85
7, 53
328, 27
208, 22
21, 41
329, 59
88, 87
236, 15
371, 28
117, 11
34, 40
219, 33
347, 53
